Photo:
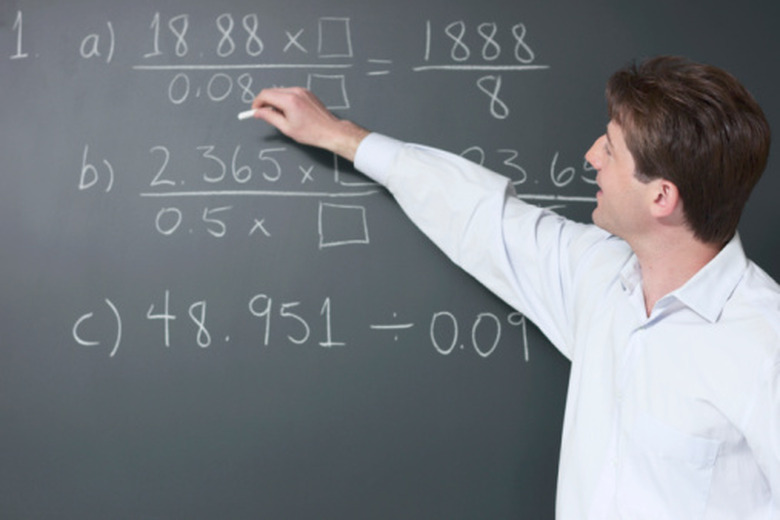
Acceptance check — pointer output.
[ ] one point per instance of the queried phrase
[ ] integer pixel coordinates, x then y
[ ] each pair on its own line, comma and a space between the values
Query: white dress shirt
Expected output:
671, 416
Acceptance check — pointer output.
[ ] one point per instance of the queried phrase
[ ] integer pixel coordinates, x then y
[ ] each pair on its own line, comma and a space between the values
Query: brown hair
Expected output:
698, 127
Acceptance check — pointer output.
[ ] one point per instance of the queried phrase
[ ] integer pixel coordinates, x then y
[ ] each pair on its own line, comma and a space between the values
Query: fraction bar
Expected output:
400, 326
496, 68
246, 66
258, 193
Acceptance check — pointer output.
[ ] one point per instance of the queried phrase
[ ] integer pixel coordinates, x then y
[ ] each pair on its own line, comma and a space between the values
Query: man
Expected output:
673, 408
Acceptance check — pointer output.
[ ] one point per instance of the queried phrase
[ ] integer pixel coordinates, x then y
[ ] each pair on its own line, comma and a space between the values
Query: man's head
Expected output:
696, 126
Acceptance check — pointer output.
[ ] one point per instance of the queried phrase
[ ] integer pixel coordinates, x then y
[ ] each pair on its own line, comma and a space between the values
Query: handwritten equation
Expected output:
227, 175
285, 322
217, 62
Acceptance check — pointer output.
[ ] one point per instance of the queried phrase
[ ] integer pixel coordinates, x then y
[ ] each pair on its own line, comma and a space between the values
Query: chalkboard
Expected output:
200, 319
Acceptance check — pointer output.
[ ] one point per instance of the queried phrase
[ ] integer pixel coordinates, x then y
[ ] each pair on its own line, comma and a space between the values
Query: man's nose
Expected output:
594, 155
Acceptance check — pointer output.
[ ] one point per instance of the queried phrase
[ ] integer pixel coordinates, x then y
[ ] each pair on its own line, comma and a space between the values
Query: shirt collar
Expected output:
707, 292
631, 274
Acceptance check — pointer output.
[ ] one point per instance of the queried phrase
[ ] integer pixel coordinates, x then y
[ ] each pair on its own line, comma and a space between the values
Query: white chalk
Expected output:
246, 114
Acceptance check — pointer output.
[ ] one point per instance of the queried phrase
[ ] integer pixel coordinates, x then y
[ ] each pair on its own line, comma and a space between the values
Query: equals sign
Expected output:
393, 327
379, 63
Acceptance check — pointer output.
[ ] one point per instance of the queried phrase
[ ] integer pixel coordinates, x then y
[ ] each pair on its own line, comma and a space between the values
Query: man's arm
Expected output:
298, 114
520, 252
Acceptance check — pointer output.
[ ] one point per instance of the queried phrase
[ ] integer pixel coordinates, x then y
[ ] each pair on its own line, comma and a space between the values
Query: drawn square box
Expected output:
335, 40
342, 224
331, 89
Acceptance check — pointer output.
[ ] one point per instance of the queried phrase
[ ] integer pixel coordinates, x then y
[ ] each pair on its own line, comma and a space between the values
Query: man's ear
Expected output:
666, 202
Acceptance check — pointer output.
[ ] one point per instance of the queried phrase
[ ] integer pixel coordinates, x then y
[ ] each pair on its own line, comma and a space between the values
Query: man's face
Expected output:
622, 200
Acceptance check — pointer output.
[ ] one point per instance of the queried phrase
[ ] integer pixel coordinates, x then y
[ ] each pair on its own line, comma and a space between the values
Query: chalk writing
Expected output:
457, 49
498, 108
330, 88
90, 175
90, 45
232, 172
382, 71
560, 178
448, 46
225, 167
460, 55
178, 25
293, 41
394, 327
334, 38
275, 323
334, 41
226, 67
18, 26
77, 331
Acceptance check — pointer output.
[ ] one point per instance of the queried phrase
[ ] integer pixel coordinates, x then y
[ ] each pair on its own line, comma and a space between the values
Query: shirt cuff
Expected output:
375, 155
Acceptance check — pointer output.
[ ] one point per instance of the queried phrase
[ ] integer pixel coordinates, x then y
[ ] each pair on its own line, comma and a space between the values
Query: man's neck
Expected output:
667, 262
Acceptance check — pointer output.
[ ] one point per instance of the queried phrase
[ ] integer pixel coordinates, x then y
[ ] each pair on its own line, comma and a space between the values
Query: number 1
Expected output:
328, 334
18, 27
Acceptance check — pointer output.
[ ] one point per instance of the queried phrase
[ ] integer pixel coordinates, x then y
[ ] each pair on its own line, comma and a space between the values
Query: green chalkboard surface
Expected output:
200, 319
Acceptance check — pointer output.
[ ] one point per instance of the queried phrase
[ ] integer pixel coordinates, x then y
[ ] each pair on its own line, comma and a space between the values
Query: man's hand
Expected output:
297, 113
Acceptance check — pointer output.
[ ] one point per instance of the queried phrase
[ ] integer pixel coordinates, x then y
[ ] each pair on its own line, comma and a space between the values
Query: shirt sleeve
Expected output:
375, 156
523, 254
